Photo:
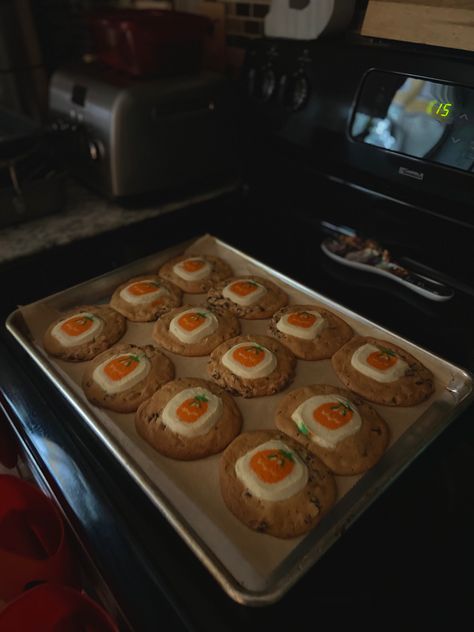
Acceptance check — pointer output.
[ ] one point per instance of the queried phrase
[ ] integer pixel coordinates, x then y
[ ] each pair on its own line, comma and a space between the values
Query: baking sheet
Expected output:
253, 568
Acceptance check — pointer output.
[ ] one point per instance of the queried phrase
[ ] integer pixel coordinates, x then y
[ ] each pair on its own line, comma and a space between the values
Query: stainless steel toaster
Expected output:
128, 137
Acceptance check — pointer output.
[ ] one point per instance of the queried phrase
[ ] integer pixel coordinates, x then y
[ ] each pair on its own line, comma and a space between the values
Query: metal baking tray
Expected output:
253, 568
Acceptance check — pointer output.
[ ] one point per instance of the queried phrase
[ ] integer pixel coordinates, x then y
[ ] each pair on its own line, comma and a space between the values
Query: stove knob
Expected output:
268, 84
251, 80
96, 150
296, 93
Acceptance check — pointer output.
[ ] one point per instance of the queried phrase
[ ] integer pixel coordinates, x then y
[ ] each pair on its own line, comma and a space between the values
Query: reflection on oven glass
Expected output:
416, 119
66, 471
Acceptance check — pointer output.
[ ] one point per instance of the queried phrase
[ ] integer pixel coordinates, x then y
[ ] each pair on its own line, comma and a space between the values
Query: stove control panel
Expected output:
385, 117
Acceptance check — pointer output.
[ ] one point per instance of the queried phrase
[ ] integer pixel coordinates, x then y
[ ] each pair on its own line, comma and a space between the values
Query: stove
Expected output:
310, 161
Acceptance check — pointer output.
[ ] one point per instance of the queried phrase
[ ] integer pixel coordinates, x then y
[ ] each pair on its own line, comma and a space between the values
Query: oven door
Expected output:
417, 533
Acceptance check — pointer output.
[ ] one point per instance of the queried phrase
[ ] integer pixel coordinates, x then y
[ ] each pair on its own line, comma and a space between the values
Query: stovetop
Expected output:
417, 533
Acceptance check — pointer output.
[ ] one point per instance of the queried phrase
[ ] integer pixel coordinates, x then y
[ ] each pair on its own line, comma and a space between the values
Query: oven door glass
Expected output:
416, 117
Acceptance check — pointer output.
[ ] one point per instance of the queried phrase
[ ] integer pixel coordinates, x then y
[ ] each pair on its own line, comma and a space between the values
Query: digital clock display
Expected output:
438, 109
416, 117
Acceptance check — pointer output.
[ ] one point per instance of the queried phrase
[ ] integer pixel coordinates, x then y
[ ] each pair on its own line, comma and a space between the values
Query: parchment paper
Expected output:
193, 487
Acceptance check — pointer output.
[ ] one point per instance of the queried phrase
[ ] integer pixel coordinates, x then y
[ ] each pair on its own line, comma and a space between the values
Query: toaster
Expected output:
127, 137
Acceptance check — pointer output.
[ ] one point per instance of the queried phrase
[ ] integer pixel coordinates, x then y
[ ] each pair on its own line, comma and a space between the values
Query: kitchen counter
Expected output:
84, 215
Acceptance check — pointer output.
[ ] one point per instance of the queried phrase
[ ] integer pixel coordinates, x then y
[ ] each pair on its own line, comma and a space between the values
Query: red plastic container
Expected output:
33, 543
55, 608
149, 42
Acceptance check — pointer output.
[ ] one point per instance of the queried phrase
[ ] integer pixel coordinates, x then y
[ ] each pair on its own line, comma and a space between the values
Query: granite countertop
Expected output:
84, 215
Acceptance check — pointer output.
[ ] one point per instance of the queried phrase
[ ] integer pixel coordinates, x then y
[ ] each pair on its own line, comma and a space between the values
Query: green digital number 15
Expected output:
443, 109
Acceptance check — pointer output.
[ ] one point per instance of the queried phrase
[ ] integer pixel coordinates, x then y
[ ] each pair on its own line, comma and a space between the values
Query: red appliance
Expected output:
55, 608
149, 42
34, 546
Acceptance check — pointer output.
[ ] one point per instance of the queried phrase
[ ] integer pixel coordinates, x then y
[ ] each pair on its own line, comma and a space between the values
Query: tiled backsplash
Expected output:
246, 18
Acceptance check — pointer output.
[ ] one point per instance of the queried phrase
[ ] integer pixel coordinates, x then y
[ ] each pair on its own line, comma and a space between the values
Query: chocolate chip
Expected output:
151, 417
315, 502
